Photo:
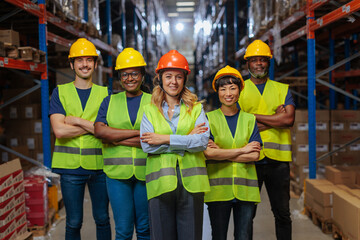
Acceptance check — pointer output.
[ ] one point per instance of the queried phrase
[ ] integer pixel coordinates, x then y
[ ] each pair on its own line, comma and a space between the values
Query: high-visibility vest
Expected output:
229, 180
161, 168
277, 141
122, 162
85, 150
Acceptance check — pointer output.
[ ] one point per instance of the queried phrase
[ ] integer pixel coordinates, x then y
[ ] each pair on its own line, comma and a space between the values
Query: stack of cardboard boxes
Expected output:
345, 127
337, 199
36, 201
23, 126
10, 47
12, 202
300, 142
333, 129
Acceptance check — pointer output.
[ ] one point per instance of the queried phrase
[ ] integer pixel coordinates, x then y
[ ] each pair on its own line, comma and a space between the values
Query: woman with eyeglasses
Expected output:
174, 131
117, 124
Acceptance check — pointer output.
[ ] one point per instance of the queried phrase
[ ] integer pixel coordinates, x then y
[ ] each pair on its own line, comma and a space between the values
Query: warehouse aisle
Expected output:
303, 228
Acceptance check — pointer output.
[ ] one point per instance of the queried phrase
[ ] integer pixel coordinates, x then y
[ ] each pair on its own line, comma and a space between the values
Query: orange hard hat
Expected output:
173, 59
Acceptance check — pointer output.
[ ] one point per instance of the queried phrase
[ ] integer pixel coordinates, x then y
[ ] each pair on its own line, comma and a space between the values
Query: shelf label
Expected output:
320, 21
346, 8
1, 63
6, 60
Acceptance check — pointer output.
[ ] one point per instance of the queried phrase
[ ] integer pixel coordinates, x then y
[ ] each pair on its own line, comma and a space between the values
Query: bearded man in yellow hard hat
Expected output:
78, 154
274, 109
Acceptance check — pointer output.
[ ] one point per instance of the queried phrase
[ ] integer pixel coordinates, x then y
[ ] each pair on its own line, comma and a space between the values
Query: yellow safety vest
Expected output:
85, 150
229, 180
161, 168
277, 141
122, 162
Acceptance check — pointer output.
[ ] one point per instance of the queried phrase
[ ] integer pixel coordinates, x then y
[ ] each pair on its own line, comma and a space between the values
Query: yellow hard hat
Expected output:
129, 58
81, 48
227, 71
257, 48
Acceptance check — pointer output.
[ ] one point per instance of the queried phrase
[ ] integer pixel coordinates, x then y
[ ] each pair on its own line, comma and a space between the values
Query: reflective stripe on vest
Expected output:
161, 173
72, 150
228, 179
277, 141
161, 168
237, 181
123, 162
84, 150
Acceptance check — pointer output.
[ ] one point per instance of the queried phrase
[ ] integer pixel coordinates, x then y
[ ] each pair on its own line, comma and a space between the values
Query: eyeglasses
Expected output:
134, 75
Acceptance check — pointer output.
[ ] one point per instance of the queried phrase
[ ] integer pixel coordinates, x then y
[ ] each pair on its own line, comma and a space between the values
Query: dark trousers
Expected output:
219, 213
276, 177
176, 215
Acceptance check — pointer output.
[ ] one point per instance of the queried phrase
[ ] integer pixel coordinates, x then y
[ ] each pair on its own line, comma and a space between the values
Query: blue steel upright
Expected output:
332, 62
347, 68
109, 34
311, 95
44, 88
236, 32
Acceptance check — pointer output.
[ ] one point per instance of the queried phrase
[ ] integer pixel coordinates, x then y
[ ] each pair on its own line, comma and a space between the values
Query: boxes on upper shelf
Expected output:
10, 36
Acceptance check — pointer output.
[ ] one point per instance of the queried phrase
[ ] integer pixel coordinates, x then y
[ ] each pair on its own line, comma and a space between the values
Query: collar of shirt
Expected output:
165, 107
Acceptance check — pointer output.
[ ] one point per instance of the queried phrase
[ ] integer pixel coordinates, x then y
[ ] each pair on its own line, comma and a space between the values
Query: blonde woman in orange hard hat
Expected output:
174, 132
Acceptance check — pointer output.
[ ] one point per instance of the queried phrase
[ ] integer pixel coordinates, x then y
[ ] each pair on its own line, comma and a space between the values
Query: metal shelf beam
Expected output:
22, 65
335, 15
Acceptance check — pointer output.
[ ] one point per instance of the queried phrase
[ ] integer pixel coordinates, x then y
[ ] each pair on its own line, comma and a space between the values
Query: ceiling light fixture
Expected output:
179, 27
185, 9
173, 14
185, 4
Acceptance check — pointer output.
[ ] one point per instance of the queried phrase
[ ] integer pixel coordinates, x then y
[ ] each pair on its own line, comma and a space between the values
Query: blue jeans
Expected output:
276, 177
73, 190
219, 213
130, 207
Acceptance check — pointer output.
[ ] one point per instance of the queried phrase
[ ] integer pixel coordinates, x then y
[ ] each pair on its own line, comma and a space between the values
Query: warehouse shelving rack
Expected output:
226, 27
44, 17
312, 25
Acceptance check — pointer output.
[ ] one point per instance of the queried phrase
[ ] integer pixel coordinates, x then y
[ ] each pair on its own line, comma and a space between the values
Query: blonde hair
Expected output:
158, 96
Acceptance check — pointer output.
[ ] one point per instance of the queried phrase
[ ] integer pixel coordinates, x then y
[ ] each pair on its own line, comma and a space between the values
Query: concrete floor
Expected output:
303, 228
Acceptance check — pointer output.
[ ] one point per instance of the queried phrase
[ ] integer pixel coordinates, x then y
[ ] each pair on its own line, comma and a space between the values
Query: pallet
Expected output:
325, 224
337, 233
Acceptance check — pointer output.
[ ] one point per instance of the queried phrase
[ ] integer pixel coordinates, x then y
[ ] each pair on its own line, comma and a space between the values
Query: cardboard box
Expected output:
340, 175
325, 212
7, 229
301, 115
7, 169
7, 205
346, 213
322, 137
11, 112
11, 51
301, 153
31, 111
344, 115
10, 36
343, 136
29, 54
2, 50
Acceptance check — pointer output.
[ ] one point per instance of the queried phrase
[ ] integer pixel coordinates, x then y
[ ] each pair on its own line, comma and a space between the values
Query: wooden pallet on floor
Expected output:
324, 224
337, 233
